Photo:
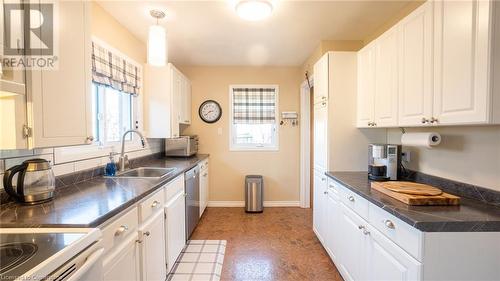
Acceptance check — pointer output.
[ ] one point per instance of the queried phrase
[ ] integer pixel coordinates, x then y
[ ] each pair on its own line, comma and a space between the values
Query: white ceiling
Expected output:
210, 32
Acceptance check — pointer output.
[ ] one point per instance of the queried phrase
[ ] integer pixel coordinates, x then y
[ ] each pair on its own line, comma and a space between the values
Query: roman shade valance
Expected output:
254, 105
112, 70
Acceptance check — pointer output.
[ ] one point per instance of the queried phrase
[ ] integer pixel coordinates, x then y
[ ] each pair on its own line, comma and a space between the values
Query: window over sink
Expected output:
253, 117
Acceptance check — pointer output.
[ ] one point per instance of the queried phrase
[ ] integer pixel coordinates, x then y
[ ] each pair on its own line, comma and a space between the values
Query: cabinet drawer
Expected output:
333, 189
122, 226
174, 187
151, 204
357, 203
401, 233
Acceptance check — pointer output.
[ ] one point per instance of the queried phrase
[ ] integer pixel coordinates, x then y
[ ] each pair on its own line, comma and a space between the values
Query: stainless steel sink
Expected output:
146, 172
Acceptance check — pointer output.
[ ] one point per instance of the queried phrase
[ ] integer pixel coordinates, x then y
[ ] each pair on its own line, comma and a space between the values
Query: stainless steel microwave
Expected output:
182, 146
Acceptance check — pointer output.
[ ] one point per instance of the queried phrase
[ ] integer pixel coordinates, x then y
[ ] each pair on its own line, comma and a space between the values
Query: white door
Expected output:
366, 86
321, 136
61, 99
204, 179
123, 263
318, 204
353, 248
176, 100
321, 79
175, 211
415, 67
386, 79
461, 56
386, 261
152, 234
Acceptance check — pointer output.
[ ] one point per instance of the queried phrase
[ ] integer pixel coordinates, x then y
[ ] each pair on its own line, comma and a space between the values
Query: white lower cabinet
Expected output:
175, 221
152, 237
123, 262
319, 203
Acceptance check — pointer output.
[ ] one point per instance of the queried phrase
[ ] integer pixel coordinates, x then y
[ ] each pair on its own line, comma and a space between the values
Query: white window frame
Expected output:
254, 147
101, 149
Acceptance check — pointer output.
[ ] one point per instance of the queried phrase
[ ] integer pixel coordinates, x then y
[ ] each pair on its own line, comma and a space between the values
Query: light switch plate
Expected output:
219, 131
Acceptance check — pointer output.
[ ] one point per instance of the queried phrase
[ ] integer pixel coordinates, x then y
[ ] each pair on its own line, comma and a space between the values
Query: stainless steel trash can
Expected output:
254, 194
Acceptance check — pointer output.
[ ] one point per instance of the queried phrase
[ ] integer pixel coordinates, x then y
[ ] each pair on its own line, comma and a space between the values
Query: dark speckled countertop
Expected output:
471, 215
91, 202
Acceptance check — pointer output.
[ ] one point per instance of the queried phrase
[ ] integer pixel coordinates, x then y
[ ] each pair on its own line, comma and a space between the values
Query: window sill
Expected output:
264, 149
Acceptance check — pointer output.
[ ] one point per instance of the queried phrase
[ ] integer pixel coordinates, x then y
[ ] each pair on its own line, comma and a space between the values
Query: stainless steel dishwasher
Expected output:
192, 181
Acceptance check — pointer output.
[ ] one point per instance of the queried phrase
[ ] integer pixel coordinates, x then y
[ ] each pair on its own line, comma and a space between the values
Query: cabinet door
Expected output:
157, 102
386, 261
176, 100
153, 248
123, 263
204, 179
353, 248
186, 101
321, 136
461, 56
333, 226
318, 204
415, 67
61, 99
386, 80
175, 228
321, 79
366, 86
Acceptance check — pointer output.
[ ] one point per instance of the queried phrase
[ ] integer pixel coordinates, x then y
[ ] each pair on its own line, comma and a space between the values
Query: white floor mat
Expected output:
200, 260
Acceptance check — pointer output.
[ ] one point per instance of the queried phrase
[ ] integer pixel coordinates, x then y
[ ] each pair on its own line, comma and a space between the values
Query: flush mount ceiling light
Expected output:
254, 10
157, 41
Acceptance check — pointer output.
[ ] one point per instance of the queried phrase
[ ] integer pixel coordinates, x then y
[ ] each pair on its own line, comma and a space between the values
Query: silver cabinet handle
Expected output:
424, 120
323, 179
361, 227
325, 192
138, 241
323, 98
155, 204
121, 230
147, 233
389, 224
205, 174
89, 139
351, 198
185, 194
366, 232
331, 186
433, 120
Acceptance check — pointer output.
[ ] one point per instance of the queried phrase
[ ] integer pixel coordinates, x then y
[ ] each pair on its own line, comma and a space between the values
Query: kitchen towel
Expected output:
421, 139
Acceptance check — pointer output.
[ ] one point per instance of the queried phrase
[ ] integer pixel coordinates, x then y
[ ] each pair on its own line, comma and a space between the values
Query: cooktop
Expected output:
20, 252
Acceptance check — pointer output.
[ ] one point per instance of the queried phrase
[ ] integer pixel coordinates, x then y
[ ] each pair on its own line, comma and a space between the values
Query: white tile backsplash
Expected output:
63, 169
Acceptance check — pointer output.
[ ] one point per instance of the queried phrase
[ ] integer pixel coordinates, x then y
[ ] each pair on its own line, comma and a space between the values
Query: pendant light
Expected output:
254, 10
157, 41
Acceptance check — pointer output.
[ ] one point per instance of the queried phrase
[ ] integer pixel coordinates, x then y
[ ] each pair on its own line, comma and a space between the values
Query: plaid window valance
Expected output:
254, 105
111, 70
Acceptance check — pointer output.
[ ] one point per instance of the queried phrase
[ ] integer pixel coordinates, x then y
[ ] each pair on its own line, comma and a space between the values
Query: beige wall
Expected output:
326, 46
228, 168
106, 28
466, 154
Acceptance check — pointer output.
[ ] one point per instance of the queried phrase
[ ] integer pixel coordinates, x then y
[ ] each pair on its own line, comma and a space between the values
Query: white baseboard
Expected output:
242, 204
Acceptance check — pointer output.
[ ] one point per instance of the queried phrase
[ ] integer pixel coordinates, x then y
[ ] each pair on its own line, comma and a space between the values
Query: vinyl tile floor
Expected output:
278, 244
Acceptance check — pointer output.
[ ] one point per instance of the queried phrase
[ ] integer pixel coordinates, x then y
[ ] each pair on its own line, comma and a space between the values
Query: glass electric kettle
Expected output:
35, 181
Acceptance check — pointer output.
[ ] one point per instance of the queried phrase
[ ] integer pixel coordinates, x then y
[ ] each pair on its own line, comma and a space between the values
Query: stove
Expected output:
39, 253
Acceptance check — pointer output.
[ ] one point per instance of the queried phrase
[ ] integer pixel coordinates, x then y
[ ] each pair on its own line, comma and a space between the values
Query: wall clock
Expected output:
210, 111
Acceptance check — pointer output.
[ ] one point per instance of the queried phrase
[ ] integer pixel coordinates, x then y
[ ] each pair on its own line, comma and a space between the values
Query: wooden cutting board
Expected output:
443, 199
409, 187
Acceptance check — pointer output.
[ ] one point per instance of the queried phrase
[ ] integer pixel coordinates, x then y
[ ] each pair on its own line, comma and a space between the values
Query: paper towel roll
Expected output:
421, 139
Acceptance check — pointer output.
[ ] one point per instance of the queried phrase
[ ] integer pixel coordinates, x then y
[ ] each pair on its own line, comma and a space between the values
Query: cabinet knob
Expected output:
90, 139
433, 120
325, 192
424, 120
205, 174
389, 224
185, 194
323, 98
361, 226
323, 179
366, 232
121, 230
147, 233
323, 103
369, 124
351, 198
155, 204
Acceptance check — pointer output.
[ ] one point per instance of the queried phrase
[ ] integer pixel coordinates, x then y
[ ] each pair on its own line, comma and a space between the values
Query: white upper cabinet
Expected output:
366, 87
462, 57
60, 99
321, 80
415, 67
386, 80
447, 65
167, 101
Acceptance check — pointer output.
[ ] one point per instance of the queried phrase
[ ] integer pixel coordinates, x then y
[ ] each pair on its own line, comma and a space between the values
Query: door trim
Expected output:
305, 143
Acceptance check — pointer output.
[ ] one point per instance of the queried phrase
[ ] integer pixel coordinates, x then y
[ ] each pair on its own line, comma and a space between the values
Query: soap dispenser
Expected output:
111, 166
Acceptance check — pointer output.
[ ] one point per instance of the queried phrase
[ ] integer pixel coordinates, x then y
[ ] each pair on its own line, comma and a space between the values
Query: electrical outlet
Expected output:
219, 131
406, 156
